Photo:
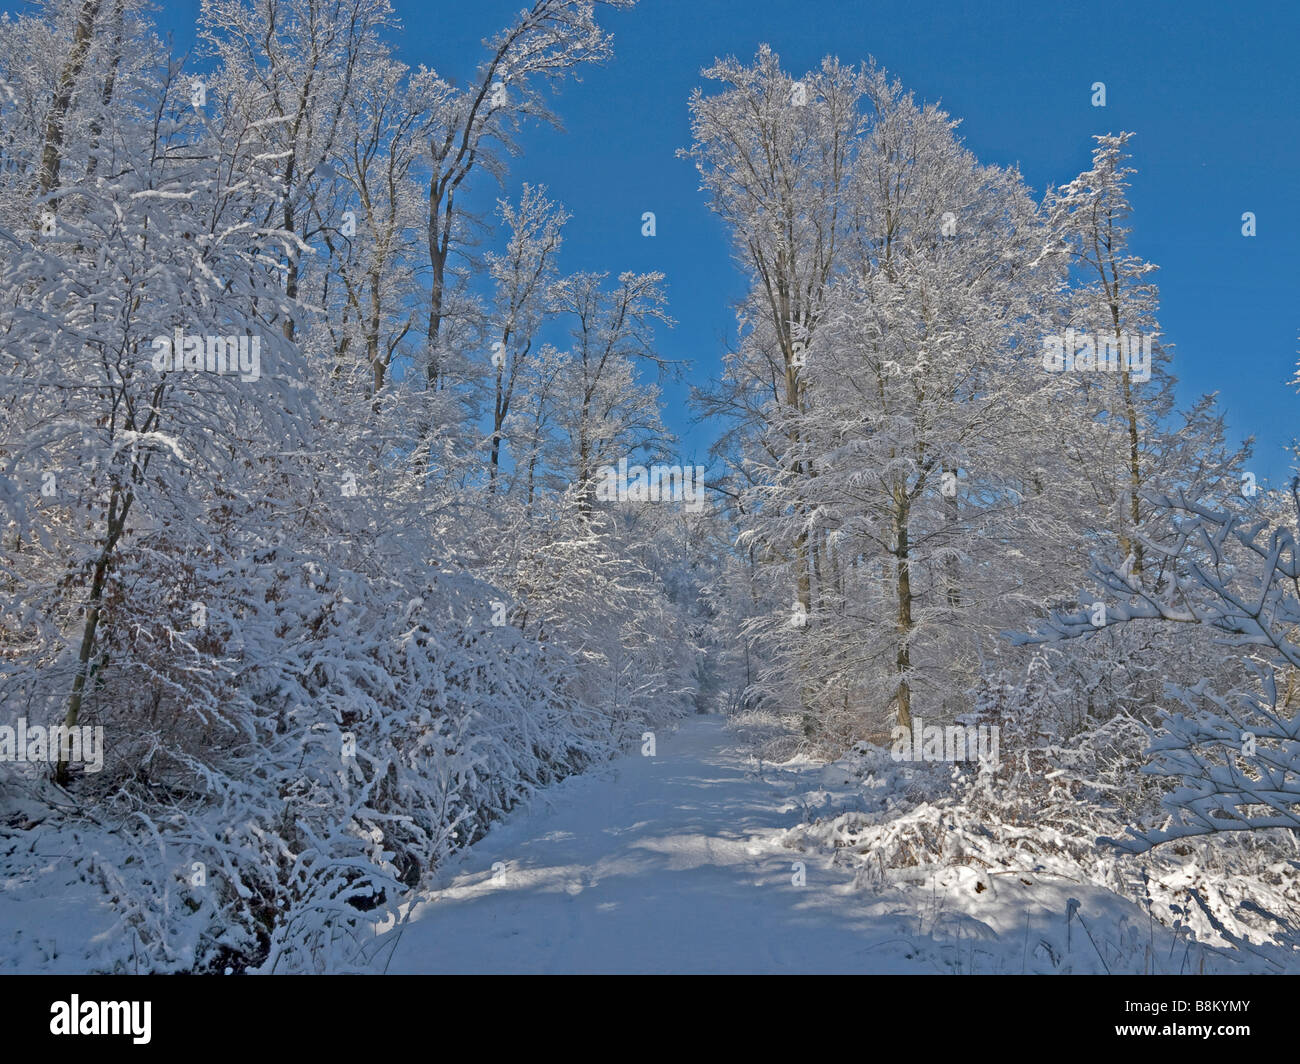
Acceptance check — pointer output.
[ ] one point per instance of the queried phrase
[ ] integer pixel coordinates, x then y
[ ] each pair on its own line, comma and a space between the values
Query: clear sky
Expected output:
1212, 91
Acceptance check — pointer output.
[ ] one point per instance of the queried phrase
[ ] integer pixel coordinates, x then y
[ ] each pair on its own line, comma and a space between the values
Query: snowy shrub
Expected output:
1234, 751
279, 592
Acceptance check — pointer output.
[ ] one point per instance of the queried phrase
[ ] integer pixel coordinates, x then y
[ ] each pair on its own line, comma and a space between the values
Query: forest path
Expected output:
669, 863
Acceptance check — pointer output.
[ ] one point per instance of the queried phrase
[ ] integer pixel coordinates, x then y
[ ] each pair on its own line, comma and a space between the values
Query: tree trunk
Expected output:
52, 148
904, 624
116, 523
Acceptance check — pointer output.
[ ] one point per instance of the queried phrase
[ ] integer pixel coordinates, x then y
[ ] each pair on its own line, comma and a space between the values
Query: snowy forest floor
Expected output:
686, 862
704, 858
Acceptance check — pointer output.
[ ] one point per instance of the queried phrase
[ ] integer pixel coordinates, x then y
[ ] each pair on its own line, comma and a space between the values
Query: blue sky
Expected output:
1211, 90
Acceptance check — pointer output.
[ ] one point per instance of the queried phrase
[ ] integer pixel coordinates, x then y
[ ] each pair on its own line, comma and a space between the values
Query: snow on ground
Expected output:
54, 918
683, 862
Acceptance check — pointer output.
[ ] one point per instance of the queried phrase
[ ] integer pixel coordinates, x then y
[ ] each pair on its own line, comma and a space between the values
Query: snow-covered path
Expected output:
663, 864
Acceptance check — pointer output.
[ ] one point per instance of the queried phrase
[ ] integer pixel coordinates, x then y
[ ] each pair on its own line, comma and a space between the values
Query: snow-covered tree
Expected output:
1232, 745
523, 275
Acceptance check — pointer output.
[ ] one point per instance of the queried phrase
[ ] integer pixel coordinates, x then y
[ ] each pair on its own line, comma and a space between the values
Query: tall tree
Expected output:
475, 129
